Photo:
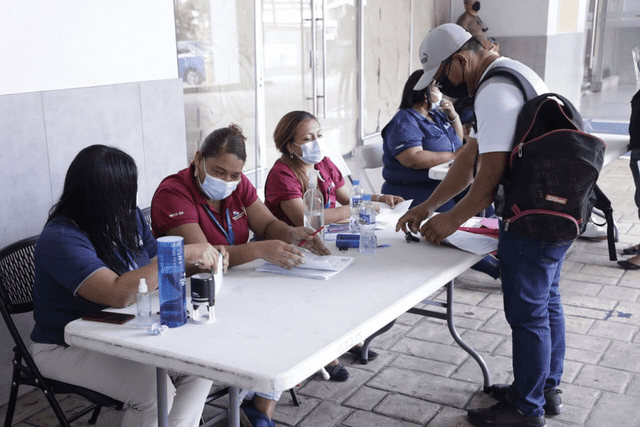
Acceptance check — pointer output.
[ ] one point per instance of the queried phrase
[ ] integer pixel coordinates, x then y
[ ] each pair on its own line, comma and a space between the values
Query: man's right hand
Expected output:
414, 217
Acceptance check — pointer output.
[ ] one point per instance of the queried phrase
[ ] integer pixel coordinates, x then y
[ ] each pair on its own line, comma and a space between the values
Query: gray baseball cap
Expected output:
438, 45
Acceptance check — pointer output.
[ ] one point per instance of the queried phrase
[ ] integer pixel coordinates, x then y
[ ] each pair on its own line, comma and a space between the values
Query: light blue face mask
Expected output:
436, 105
216, 188
312, 152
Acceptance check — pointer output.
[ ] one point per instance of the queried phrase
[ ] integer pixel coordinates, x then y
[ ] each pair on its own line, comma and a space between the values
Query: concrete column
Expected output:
546, 35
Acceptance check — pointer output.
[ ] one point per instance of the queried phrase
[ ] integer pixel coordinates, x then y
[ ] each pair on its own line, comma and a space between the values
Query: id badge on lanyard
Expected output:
332, 186
228, 233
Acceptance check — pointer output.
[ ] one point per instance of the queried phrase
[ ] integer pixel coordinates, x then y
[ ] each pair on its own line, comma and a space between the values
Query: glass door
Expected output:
613, 35
310, 64
343, 60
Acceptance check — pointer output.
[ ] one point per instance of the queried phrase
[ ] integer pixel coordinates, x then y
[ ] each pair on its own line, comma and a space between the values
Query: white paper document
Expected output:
315, 266
471, 242
391, 216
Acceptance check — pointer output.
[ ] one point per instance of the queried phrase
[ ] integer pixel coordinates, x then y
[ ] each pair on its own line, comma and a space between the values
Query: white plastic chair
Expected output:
370, 157
333, 152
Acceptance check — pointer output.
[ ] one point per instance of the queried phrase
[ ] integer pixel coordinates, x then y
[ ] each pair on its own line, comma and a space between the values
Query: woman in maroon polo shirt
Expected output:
212, 201
298, 136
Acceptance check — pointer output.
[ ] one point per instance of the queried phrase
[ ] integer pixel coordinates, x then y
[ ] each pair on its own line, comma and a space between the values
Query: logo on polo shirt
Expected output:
176, 214
237, 215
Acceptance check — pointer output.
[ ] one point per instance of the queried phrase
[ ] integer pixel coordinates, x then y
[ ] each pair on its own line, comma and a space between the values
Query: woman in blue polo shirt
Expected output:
425, 132
91, 255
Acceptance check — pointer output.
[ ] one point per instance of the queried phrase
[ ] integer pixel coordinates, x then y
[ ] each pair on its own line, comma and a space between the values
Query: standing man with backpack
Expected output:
633, 263
530, 267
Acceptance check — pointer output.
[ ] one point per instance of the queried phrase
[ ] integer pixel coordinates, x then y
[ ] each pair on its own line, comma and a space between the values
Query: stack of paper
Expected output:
315, 266
472, 242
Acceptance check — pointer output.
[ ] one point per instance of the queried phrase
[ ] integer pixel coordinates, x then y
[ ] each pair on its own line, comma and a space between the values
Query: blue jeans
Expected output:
530, 271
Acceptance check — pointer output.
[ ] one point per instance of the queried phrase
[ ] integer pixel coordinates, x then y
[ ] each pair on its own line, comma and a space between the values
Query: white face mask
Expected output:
216, 188
435, 105
312, 151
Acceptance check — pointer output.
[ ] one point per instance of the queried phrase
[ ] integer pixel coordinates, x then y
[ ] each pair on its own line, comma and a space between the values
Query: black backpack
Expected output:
549, 188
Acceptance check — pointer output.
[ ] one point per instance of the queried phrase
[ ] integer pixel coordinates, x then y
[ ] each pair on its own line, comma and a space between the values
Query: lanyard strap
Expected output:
228, 234
327, 205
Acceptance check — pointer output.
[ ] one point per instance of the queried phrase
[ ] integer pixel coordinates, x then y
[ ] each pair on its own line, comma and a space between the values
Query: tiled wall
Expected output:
40, 134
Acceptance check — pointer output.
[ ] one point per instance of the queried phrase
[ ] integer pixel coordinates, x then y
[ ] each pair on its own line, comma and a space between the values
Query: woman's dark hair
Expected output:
284, 133
411, 97
99, 195
225, 140
287, 126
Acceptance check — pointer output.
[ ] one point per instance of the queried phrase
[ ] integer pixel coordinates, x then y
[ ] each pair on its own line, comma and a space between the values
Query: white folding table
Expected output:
274, 331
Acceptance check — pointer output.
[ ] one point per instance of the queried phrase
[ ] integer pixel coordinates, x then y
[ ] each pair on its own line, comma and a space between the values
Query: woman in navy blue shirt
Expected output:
91, 255
425, 132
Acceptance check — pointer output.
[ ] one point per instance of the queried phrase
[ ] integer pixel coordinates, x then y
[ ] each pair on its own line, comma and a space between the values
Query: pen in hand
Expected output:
314, 233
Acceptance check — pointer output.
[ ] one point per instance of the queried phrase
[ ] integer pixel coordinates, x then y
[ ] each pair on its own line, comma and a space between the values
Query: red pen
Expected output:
314, 233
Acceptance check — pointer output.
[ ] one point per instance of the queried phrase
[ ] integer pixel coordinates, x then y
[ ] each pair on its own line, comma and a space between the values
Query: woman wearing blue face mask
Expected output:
425, 132
298, 137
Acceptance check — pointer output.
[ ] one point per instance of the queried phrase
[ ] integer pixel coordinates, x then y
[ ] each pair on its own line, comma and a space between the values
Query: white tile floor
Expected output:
613, 104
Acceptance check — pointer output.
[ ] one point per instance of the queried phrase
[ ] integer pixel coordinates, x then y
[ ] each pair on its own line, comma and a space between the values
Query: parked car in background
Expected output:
194, 63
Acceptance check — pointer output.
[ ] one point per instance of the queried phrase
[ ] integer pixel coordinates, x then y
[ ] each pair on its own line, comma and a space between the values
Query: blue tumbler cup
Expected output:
172, 281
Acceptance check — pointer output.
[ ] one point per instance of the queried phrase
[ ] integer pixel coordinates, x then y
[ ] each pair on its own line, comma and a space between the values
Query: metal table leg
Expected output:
234, 407
448, 316
364, 351
161, 384
461, 343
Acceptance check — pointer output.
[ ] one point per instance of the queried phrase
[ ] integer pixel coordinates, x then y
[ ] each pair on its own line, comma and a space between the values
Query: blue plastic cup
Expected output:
172, 281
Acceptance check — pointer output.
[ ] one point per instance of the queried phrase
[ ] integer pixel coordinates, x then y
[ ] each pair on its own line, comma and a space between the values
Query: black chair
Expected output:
17, 273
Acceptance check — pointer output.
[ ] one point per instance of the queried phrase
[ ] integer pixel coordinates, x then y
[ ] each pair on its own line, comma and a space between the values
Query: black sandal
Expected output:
628, 265
357, 352
631, 250
337, 372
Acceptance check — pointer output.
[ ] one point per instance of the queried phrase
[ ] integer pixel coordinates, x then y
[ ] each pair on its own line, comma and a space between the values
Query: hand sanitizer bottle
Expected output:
143, 300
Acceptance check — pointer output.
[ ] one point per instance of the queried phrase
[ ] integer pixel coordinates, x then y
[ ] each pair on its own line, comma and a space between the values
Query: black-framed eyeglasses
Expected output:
439, 77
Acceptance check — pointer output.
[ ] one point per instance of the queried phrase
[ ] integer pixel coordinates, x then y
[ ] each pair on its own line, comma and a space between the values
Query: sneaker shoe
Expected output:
594, 232
250, 416
552, 406
502, 415
257, 418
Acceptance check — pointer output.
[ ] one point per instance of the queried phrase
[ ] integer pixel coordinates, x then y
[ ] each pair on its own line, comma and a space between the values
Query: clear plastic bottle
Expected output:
313, 204
172, 281
355, 199
143, 300
367, 220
